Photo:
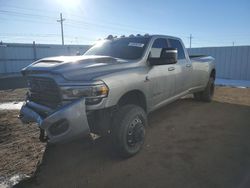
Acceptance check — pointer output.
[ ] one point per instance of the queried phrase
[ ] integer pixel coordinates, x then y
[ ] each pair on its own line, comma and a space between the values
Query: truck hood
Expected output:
78, 67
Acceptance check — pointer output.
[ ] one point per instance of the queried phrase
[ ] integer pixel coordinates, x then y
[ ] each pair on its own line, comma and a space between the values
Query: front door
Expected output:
161, 77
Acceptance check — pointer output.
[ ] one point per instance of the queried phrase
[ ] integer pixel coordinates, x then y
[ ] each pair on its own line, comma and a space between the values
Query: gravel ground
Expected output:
188, 144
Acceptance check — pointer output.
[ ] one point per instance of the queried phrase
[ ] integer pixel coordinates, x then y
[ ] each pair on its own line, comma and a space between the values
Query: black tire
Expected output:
207, 94
128, 130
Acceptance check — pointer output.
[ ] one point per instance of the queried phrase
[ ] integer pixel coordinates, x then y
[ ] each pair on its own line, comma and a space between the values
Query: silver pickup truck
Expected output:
112, 87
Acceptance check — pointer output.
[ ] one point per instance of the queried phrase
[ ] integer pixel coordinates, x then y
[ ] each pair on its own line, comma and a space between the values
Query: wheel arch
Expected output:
136, 97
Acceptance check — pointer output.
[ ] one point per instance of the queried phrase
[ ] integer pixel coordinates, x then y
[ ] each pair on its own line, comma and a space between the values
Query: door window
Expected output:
157, 47
176, 44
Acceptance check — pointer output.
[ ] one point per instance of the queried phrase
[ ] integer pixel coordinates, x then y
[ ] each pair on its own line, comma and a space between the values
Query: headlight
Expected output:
92, 92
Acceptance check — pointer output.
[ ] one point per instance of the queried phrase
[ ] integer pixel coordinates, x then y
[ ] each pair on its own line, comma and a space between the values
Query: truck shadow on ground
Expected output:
188, 144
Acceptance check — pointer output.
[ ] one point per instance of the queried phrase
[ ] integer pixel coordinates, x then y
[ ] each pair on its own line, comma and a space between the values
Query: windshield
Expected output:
124, 48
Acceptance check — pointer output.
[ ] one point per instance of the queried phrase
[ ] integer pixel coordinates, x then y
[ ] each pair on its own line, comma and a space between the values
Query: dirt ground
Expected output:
12, 95
188, 144
232, 95
20, 148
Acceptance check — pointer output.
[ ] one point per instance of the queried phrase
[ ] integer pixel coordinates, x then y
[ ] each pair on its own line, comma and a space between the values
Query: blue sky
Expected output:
211, 23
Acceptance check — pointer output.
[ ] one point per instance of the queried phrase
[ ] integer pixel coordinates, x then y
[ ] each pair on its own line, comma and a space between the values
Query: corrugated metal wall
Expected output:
231, 62
14, 57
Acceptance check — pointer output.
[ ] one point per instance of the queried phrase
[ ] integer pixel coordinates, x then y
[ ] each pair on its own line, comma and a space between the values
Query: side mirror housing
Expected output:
168, 56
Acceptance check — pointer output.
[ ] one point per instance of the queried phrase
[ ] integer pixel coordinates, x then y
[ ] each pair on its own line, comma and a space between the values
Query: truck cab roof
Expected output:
145, 36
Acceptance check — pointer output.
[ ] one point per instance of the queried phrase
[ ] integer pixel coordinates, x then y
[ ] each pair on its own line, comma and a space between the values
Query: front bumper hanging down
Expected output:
64, 124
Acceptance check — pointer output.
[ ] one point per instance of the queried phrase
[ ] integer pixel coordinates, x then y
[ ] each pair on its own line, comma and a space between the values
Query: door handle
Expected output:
171, 68
188, 65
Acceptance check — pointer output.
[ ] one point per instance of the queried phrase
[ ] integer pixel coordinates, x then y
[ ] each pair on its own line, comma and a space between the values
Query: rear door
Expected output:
183, 68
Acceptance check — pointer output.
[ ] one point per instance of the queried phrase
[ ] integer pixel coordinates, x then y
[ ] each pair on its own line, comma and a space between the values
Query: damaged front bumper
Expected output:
64, 124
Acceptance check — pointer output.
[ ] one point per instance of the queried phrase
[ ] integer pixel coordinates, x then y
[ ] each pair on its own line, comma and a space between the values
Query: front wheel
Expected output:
207, 94
128, 130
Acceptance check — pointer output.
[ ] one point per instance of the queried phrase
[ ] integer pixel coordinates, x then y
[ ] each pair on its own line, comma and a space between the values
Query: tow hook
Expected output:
42, 137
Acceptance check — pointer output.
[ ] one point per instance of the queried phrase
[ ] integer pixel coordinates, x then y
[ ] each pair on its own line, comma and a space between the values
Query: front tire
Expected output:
128, 130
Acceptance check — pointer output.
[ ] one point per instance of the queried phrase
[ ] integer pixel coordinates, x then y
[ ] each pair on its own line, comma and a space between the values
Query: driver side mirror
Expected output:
168, 56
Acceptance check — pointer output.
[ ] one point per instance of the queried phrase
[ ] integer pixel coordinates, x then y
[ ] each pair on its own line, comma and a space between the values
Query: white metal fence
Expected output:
231, 62
14, 57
